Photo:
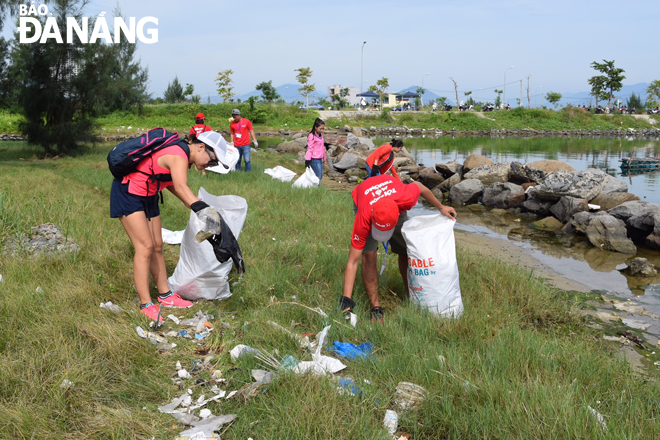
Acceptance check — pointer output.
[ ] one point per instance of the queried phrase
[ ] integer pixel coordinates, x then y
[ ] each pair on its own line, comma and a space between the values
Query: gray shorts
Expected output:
397, 243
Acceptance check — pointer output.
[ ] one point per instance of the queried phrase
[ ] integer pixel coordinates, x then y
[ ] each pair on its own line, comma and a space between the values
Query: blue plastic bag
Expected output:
351, 351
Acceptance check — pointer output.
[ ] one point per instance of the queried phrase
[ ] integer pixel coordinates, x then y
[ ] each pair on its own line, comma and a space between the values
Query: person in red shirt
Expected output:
241, 130
199, 127
381, 205
382, 159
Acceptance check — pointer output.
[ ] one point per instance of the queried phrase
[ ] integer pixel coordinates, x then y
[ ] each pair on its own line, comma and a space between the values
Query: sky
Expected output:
410, 43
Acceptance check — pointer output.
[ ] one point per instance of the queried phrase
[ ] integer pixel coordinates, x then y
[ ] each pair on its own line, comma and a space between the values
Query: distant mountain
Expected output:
585, 98
288, 92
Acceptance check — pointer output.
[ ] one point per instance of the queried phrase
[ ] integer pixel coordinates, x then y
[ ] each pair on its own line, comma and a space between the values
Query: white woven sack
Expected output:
432, 269
280, 173
198, 274
307, 180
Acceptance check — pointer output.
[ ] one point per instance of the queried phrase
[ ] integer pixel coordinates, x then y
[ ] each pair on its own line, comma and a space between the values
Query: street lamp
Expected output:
504, 88
422, 97
361, 65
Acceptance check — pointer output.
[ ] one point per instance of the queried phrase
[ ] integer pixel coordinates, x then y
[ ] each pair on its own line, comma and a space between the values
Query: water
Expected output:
572, 257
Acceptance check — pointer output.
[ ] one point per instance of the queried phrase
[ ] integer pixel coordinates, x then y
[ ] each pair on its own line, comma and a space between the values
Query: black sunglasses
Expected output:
213, 162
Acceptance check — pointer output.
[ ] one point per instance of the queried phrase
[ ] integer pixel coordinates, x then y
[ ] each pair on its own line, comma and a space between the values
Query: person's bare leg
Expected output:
403, 268
137, 228
370, 276
157, 265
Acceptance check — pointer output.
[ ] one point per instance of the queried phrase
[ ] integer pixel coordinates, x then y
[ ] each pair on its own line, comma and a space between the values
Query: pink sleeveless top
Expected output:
139, 183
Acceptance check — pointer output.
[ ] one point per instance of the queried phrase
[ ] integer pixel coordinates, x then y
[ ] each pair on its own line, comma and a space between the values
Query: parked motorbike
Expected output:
465, 107
626, 111
488, 108
447, 107
653, 111
602, 110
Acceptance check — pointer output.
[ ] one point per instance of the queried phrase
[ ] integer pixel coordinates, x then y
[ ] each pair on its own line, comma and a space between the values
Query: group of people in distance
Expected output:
380, 205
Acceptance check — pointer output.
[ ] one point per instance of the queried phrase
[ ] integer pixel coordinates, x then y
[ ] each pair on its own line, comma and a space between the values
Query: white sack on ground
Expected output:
307, 180
280, 173
198, 274
432, 269
231, 157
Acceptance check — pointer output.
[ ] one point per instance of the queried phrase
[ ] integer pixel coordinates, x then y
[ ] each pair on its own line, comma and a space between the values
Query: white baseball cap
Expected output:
215, 140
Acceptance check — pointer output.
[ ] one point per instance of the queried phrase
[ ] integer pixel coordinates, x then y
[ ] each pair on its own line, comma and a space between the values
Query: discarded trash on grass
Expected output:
173, 319
183, 374
207, 425
66, 384
391, 421
351, 351
409, 396
347, 386
171, 237
599, 418
320, 364
140, 331
111, 307
39, 290
241, 350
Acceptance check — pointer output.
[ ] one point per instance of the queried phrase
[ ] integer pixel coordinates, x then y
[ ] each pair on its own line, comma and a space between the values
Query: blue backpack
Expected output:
125, 157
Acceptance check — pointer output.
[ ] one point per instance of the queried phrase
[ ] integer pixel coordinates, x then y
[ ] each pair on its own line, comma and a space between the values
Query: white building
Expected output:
351, 97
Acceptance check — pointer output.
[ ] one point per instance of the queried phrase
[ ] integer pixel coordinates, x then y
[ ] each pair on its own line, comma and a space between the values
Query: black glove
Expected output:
374, 171
198, 206
308, 163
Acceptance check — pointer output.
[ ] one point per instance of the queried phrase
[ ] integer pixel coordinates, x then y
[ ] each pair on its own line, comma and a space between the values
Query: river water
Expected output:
572, 257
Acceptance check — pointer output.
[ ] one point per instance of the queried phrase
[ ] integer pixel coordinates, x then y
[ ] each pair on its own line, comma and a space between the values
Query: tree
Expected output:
553, 98
455, 90
174, 92
339, 99
597, 84
420, 91
223, 80
653, 94
304, 74
635, 102
268, 92
190, 89
62, 88
613, 77
498, 99
381, 88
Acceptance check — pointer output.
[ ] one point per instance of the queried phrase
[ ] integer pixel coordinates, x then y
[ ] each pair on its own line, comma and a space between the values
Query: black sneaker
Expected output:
346, 304
377, 315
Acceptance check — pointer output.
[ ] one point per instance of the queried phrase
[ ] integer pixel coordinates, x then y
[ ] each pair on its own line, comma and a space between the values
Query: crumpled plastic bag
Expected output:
280, 173
307, 180
351, 351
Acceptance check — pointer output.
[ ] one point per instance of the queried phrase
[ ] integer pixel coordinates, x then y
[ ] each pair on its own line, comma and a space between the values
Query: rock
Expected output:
403, 162
357, 172
348, 160
467, 192
293, 146
580, 221
630, 209
614, 185
646, 221
411, 170
336, 139
299, 135
538, 207
406, 178
567, 207
640, 267
448, 183
437, 192
430, 179
475, 160
524, 174
449, 169
367, 143
489, 174
548, 224
357, 131
607, 201
652, 241
353, 179
608, 233
551, 166
352, 141
45, 239
503, 195
362, 163
528, 185
579, 184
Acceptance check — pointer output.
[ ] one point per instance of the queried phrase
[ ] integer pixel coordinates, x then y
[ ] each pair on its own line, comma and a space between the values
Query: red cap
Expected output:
200, 116
384, 217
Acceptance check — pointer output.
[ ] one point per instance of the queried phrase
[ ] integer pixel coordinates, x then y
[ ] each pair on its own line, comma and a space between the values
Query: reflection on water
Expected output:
571, 256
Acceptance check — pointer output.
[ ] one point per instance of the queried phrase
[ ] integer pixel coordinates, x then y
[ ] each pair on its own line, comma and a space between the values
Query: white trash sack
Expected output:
280, 173
231, 157
307, 180
432, 269
198, 274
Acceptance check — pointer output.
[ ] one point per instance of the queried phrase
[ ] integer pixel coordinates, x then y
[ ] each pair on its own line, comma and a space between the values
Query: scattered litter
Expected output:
185, 418
303, 342
608, 316
391, 421
280, 173
442, 359
263, 376
230, 395
351, 351
111, 307
352, 318
171, 407
171, 237
39, 290
141, 333
178, 365
320, 364
348, 386
593, 207
66, 384
615, 338
205, 413
629, 307
288, 362
409, 396
174, 319
183, 334
1, 279
599, 418
634, 339
241, 350
183, 374
201, 335
207, 426
639, 325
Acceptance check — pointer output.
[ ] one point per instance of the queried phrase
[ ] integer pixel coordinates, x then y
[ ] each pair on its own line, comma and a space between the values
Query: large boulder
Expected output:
503, 195
293, 146
403, 161
548, 224
613, 185
609, 233
579, 184
467, 192
551, 166
489, 174
580, 221
366, 143
640, 267
646, 221
430, 178
538, 207
631, 209
352, 141
521, 173
355, 172
449, 169
449, 183
348, 160
475, 160
335, 139
609, 200
566, 207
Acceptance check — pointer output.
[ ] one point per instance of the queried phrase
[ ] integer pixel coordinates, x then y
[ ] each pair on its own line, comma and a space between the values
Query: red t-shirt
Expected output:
241, 131
199, 129
381, 154
372, 190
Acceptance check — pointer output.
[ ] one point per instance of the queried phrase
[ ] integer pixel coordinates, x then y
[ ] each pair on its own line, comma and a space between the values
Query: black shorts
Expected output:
124, 203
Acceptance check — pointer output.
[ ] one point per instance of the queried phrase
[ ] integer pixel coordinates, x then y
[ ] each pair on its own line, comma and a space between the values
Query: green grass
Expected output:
532, 368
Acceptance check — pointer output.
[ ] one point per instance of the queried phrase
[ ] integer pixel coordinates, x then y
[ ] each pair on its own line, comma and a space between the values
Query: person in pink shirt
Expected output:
315, 156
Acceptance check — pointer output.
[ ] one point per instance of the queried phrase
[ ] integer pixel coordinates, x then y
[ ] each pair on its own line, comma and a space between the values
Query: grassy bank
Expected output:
518, 364
180, 117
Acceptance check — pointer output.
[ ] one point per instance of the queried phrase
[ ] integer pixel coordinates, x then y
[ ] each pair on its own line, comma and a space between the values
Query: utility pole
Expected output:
521, 104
